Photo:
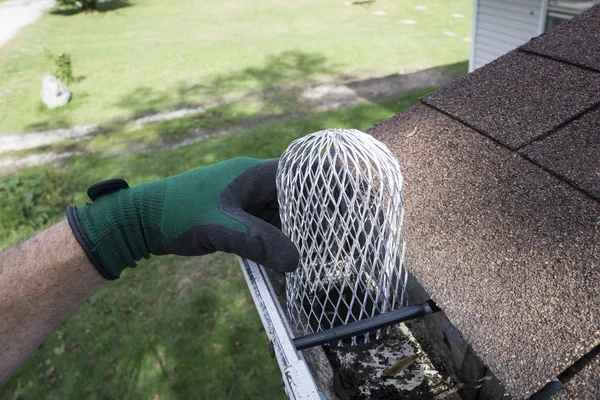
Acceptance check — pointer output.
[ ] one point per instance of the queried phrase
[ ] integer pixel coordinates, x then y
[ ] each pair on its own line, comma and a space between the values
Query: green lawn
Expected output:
174, 328
141, 57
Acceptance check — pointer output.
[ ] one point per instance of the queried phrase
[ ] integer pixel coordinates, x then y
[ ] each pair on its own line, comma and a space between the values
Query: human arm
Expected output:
42, 282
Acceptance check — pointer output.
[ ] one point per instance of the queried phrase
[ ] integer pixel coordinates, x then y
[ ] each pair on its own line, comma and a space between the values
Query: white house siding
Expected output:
500, 26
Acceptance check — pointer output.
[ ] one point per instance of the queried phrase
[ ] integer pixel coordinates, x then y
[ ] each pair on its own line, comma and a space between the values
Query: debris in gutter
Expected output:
358, 374
400, 365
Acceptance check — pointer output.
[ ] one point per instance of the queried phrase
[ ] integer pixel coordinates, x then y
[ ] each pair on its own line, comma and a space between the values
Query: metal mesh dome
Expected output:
340, 199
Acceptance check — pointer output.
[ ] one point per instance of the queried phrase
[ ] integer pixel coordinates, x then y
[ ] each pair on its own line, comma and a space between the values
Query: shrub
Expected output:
83, 5
63, 67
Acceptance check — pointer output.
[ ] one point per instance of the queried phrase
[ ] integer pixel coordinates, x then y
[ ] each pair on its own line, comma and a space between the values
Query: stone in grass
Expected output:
54, 93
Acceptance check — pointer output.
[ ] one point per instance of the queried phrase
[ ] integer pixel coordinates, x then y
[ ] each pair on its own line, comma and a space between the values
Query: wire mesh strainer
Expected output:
340, 199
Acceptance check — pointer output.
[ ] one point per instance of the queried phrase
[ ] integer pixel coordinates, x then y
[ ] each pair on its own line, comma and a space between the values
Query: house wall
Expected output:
500, 26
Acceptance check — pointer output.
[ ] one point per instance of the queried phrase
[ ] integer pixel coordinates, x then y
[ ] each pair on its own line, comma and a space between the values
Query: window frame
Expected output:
550, 11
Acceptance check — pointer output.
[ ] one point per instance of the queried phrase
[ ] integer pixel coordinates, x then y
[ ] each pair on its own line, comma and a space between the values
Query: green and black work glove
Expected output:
231, 206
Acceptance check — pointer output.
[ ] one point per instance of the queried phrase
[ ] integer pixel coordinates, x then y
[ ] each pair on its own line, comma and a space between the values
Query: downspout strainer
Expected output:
340, 199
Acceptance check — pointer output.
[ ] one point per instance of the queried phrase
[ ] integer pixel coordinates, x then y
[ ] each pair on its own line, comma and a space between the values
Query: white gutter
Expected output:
298, 380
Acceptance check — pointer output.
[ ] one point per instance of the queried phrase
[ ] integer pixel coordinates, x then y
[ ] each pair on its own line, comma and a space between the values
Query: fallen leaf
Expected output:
400, 365
73, 346
58, 350
413, 132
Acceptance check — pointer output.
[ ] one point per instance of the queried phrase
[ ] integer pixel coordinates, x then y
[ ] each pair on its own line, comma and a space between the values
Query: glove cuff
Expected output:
109, 231
85, 244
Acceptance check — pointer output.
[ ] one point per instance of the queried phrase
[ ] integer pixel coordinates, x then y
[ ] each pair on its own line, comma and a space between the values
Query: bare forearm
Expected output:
42, 282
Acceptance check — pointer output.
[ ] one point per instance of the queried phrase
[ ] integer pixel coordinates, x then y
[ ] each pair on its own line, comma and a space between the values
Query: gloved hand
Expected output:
230, 206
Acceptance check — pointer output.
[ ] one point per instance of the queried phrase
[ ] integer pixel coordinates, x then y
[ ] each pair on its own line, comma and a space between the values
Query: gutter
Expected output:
306, 371
298, 380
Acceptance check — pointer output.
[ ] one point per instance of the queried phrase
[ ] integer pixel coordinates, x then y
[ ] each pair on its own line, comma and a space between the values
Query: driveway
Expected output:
16, 14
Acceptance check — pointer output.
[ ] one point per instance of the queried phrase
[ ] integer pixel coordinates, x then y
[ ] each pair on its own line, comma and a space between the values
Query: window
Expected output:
560, 11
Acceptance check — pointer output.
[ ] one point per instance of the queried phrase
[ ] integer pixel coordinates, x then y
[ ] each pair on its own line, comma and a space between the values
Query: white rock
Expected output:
54, 93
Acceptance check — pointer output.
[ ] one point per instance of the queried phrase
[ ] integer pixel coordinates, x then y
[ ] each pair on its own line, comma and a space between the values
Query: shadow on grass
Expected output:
52, 118
364, 3
263, 141
56, 118
205, 341
276, 81
278, 101
101, 7
281, 101
279, 87
49, 124
275, 88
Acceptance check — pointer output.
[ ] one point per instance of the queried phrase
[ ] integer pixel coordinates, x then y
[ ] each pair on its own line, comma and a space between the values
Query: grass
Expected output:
155, 55
173, 327
117, 139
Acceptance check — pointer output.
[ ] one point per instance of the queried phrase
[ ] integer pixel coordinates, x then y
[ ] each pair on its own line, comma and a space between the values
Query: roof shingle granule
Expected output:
573, 153
518, 97
510, 252
576, 41
579, 387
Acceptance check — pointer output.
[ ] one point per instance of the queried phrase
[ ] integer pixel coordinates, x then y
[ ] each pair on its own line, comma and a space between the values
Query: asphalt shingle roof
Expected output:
518, 97
502, 188
510, 252
576, 41
573, 152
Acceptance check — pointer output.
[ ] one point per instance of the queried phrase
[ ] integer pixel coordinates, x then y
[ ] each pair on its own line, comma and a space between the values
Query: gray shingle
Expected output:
518, 97
510, 252
573, 153
576, 41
